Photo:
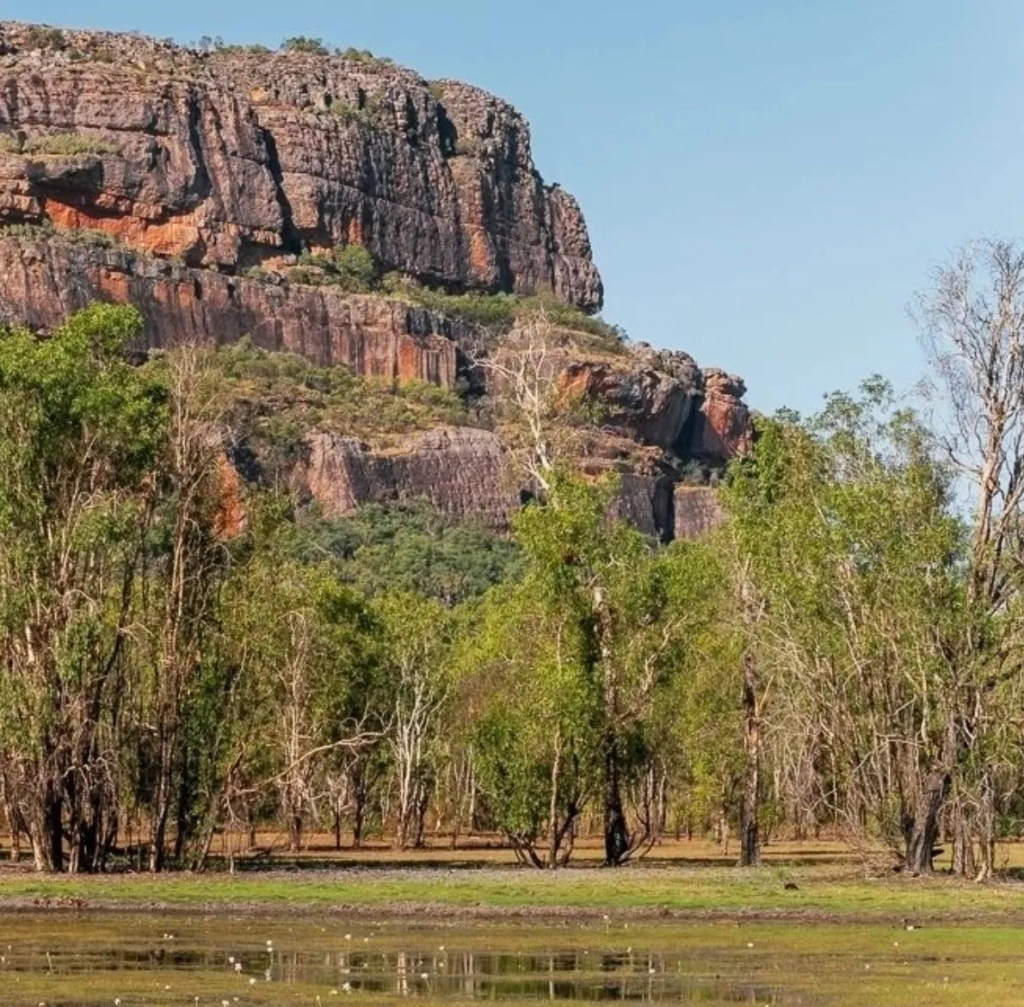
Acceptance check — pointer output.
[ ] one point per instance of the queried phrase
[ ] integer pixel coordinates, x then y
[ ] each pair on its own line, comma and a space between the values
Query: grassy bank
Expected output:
829, 891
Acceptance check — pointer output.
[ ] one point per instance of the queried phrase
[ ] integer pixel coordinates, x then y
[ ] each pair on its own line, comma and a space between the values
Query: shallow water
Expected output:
69, 958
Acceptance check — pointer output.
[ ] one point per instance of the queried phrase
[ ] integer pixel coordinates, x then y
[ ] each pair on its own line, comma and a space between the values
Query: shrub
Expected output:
304, 44
43, 37
351, 267
46, 232
468, 146
363, 56
352, 116
356, 268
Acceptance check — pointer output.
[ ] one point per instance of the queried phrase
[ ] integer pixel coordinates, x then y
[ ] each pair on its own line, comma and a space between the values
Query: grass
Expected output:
56, 145
501, 311
93, 237
832, 889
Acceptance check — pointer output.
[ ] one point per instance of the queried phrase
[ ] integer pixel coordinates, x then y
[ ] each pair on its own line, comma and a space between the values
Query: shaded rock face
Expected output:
464, 473
231, 158
42, 281
724, 427
650, 405
696, 510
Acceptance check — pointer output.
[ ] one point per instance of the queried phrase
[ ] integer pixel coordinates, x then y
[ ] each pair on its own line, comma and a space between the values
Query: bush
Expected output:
351, 267
351, 116
409, 546
356, 268
304, 44
43, 37
363, 56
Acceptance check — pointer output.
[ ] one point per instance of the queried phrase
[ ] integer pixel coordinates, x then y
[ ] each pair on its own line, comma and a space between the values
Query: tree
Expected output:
536, 720
414, 655
630, 607
80, 434
186, 563
844, 530
972, 324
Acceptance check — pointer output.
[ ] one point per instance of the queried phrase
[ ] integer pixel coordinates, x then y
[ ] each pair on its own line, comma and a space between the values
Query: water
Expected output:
83, 959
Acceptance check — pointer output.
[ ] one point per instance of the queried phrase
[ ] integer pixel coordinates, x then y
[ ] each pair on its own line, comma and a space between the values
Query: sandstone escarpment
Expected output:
215, 190
44, 280
230, 158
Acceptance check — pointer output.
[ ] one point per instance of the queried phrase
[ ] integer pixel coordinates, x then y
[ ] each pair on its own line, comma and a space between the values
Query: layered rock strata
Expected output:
464, 473
44, 280
233, 157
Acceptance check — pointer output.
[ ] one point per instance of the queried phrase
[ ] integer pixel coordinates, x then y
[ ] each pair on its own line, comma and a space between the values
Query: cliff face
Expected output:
43, 280
233, 158
132, 170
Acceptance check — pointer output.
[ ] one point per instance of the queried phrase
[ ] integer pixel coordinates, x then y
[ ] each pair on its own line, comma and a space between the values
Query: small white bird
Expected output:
238, 966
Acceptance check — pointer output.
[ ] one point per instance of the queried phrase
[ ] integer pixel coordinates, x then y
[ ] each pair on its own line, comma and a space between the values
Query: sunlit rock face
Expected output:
232, 158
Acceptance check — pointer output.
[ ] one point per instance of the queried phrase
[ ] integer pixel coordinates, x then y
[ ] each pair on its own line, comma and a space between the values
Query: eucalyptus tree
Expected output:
852, 554
81, 432
415, 662
628, 608
972, 322
535, 716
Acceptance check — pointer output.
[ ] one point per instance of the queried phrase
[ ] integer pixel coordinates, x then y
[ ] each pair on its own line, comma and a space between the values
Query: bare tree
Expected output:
526, 368
972, 323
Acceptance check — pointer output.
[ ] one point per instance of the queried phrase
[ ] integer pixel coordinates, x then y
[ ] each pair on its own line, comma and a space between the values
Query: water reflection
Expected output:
558, 975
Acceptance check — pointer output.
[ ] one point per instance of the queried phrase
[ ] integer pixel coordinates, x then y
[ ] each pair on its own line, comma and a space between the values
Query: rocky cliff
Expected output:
213, 189
232, 158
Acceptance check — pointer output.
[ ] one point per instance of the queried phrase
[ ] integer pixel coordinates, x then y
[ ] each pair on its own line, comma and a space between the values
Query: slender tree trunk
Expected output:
616, 831
750, 838
553, 833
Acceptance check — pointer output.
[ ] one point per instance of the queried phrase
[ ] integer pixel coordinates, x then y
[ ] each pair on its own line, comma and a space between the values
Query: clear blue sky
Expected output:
767, 182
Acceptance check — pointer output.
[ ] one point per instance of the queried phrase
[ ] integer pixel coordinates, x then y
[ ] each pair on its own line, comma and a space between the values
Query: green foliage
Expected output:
46, 38
844, 526
409, 547
350, 267
366, 116
75, 236
501, 311
363, 56
305, 44
274, 400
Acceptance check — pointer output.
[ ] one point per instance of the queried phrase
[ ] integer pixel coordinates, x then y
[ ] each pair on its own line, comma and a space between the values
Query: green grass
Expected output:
822, 893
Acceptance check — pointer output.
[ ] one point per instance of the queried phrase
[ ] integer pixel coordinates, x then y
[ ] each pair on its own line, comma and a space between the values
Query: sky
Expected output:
767, 183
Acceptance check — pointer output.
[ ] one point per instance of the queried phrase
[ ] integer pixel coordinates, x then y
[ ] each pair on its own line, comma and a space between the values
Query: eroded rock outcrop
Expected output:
233, 157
